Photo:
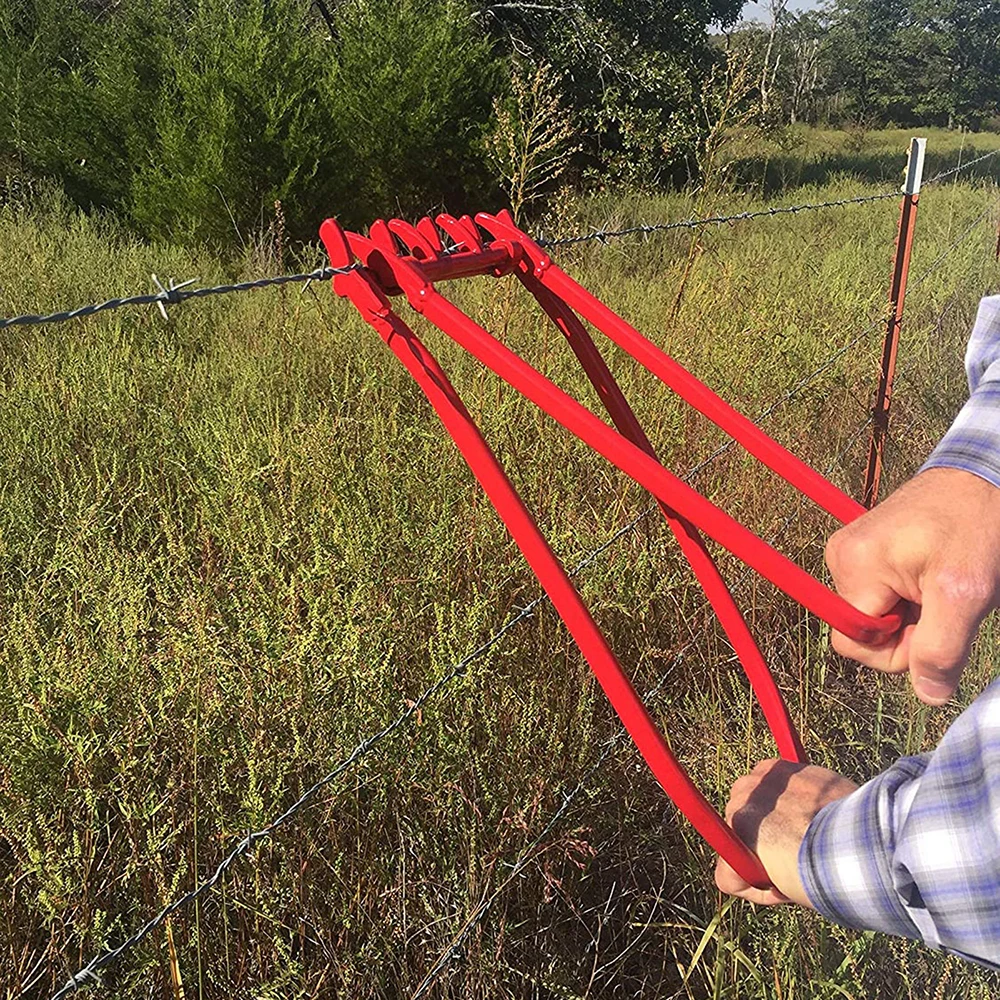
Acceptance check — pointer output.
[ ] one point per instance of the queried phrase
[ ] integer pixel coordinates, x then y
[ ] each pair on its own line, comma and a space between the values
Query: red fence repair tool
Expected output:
397, 258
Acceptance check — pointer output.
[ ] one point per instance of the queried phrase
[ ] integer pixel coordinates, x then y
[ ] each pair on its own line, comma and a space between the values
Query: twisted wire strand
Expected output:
646, 229
959, 240
177, 294
958, 168
174, 295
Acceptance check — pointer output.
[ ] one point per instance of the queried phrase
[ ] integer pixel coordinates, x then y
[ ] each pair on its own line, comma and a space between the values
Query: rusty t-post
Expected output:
897, 298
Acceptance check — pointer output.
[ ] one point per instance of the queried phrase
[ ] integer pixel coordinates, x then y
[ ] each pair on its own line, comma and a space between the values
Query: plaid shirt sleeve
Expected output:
973, 442
916, 851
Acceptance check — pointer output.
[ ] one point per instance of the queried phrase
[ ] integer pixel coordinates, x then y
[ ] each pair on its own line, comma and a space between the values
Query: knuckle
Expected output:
964, 585
864, 550
850, 549
834, 551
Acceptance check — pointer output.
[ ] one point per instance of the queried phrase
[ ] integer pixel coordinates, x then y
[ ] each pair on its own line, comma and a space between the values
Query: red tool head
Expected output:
463, 231
335, 240
416, 241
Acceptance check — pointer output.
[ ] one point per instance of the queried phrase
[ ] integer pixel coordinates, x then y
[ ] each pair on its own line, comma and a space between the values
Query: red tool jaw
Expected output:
502, 227
401, 258
356, 284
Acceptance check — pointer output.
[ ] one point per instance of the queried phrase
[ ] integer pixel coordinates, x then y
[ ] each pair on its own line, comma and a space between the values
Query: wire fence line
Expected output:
174, 295
647, 229
88, 973
960, 239
178, 293
903, 369
529, 853
182, 292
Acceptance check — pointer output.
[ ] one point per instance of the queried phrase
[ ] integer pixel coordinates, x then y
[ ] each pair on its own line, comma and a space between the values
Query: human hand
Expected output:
934, 543
770, 809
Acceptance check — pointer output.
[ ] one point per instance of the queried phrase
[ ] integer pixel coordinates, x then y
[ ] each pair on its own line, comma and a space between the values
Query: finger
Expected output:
731, 884
855, 565
891, 658
854, 561
727, 879
942, 638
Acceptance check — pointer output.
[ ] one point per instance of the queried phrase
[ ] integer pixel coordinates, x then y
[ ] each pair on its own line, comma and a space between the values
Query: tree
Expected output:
928, 61
632, 71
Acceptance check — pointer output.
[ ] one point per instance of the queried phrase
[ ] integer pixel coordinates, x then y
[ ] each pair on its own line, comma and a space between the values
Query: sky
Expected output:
754, 11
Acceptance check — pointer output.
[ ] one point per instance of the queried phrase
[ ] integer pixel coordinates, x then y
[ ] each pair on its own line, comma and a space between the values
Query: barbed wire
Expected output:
179, 293
528, 854
904, 369
647, 229
963, 236
175, 294
959, 167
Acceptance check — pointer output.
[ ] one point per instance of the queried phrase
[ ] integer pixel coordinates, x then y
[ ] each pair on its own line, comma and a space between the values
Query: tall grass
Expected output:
237, 542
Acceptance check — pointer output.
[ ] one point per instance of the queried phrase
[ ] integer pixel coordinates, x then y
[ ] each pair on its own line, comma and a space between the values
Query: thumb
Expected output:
941, 640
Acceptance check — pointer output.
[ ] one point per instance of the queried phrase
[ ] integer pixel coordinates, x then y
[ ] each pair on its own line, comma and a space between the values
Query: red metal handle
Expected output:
628, 448
457, 421
646, 471
690, 541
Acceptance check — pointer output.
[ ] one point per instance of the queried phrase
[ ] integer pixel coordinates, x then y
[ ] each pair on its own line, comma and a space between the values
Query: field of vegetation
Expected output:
236, 543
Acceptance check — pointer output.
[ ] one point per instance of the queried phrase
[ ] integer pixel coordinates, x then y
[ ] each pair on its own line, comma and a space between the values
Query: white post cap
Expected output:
915, 166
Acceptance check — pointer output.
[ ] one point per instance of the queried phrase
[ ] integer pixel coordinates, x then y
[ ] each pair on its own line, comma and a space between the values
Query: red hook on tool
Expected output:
385, 271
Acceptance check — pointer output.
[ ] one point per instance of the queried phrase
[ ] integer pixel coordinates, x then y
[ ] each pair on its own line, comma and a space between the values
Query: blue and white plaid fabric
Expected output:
916, 851
973, 441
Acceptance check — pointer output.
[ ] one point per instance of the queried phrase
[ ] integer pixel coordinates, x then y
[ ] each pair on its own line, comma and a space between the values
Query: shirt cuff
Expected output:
973, 441
845, 856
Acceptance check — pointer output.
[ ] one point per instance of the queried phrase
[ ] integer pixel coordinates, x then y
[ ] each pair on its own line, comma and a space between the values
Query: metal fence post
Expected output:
897, 299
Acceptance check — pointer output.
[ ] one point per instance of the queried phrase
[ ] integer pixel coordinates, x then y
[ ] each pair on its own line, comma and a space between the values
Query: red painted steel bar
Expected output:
377, 311
691, 543
678, 378
387, 272
897, 301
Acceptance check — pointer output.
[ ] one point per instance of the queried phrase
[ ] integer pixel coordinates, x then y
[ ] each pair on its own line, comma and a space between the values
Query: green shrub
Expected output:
192, 121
